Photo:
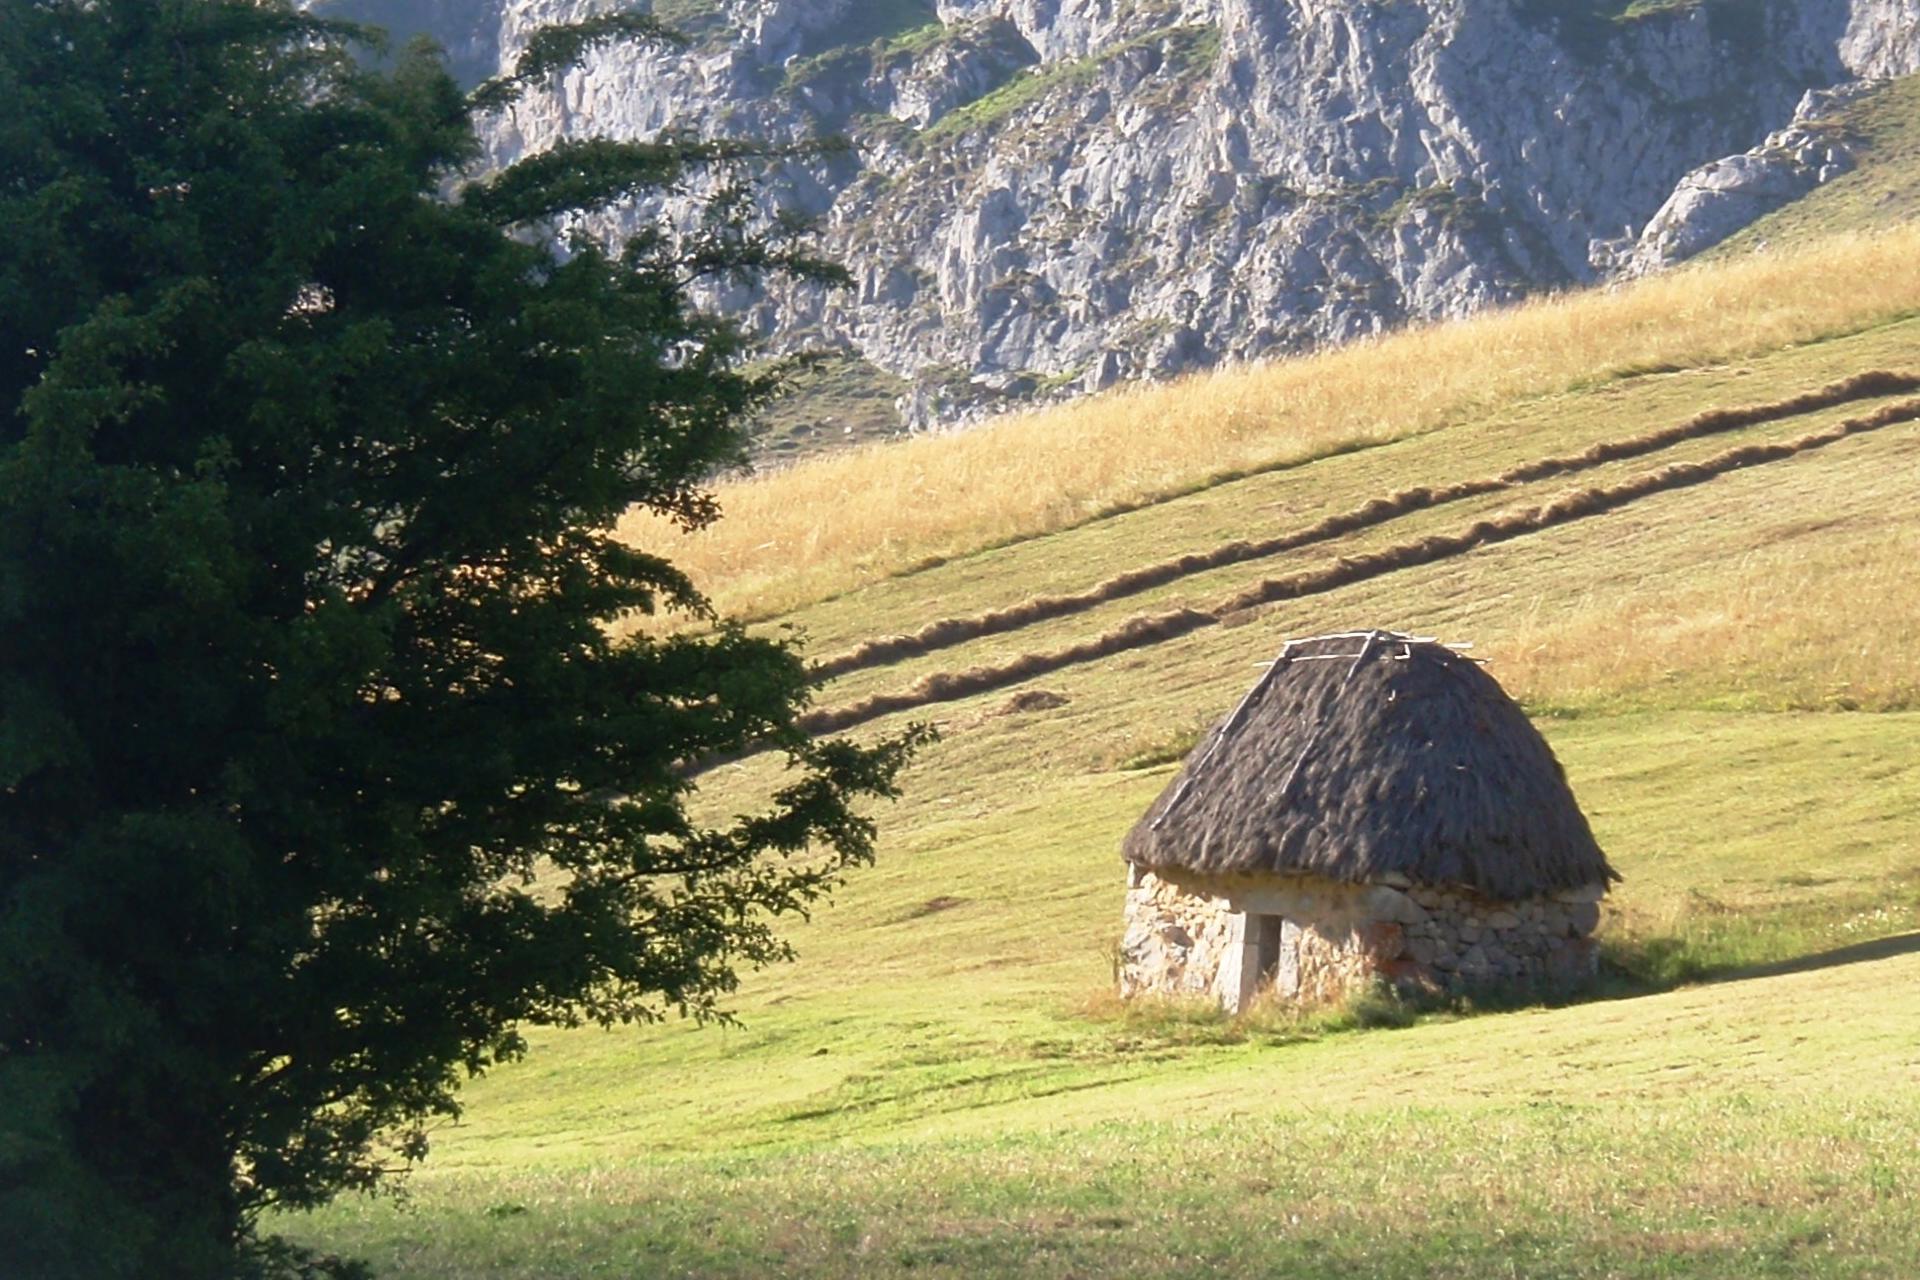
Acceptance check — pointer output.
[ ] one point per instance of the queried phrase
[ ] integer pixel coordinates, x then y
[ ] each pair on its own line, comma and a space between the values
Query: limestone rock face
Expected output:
1046, 196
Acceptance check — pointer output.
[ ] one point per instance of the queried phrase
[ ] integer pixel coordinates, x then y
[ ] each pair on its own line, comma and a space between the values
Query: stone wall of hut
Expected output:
1313, 940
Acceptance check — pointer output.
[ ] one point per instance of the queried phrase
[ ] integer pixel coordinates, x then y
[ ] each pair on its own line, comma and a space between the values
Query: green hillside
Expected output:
943, 1085
1883, 191
842, 400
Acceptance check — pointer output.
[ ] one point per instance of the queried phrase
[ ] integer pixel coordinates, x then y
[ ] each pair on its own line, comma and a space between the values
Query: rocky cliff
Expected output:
1046, 196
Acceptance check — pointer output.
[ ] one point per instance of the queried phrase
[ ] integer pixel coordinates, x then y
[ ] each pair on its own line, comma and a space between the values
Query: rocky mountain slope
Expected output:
1047, 196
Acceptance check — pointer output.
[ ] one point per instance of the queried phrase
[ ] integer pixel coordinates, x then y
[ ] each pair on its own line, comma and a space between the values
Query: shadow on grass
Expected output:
1638, 966
1630, 968
1901, 944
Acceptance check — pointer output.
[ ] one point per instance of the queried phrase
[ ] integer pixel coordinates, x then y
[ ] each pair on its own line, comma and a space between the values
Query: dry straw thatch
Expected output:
1364, 754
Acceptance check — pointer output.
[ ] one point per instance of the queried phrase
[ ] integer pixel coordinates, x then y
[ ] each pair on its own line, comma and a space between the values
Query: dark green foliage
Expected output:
307, 473
557, 48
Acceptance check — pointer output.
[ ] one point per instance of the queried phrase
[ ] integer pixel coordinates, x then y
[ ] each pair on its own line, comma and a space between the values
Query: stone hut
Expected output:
1376, 806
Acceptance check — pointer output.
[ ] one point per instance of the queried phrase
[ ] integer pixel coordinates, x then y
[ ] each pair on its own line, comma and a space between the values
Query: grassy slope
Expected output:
939, 1085
843, 401
1674, 1135
797, 537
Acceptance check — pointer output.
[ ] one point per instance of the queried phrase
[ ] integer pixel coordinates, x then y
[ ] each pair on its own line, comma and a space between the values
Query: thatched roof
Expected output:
1366, 753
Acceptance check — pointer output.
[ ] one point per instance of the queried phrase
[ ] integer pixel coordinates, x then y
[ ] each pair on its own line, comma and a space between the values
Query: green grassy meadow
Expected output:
943, 1084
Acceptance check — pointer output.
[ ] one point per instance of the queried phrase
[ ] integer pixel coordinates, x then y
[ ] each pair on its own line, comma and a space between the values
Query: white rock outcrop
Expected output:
1046, 196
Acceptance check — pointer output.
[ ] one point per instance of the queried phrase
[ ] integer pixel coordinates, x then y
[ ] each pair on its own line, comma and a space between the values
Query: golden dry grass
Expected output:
1822, 627
819, 529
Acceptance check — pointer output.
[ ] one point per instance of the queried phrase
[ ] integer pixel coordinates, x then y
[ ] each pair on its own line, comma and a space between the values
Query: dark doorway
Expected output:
1267, 941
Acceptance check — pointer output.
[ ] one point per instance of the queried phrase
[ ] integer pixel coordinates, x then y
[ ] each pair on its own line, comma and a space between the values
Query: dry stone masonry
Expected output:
1203, 937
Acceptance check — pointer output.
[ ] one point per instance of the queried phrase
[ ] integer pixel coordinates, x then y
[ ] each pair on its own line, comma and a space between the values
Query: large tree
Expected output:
321, 766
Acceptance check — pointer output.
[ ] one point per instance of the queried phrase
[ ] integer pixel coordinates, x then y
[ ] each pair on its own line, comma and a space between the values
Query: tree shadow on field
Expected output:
1632, 967
1900, 944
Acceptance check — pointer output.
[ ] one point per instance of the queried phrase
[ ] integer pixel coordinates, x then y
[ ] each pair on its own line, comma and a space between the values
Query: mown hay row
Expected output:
1150, 629
945, 633
794, 538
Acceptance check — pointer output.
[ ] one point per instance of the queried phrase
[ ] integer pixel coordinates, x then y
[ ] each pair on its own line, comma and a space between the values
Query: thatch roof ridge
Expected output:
1365, 754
